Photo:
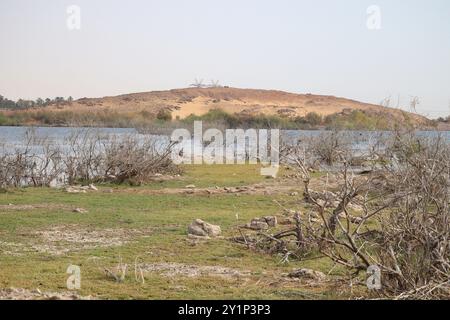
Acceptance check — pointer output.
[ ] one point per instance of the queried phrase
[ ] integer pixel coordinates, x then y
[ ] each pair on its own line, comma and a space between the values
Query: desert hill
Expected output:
198, 101
142, 108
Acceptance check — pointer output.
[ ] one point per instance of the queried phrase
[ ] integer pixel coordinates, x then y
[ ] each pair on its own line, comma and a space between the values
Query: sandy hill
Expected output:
198, 101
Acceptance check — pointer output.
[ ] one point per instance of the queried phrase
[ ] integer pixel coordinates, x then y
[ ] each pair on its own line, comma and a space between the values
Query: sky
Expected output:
397, 49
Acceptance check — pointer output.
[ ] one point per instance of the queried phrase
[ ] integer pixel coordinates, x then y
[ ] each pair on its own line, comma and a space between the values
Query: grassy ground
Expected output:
38, 244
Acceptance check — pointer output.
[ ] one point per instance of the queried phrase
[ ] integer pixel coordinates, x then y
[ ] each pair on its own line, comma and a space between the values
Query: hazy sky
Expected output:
320, 46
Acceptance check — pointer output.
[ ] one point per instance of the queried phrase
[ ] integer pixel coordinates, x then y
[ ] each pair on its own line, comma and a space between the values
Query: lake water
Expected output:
13, 137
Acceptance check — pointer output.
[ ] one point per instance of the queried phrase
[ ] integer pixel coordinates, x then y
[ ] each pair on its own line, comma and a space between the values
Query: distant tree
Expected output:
59, 101
313, 119
6, 103
21, 104
70, 100
39, 102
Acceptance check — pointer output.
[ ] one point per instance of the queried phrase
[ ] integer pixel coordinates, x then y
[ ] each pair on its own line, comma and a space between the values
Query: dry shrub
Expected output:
35, 163
394, 215
404, 225
86, 156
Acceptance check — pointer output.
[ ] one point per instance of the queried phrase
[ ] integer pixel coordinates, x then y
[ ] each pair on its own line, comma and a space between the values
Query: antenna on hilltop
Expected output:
215, 84
197, 83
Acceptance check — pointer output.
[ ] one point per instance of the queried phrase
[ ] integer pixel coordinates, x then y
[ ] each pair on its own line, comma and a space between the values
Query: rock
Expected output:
93, 188
271, 221
203, 229
307, 274
263, 223
257, 224
294, 194
158, 175
77, 189
191, 186
80, 210
72, 190
286, 221
194, 237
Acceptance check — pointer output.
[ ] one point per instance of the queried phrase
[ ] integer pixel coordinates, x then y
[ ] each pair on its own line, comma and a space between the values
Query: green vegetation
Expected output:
257, 121
164, 115
26, 261
353, 120
22, 104
358, 120
100, 118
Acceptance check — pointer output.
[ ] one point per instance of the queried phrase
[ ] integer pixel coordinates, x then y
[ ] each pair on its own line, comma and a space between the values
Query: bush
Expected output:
164, 115
86, 157
400, 223
313, 119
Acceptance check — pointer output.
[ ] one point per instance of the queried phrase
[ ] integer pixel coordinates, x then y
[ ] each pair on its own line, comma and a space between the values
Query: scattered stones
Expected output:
74, 190
271, 221
203, 229
307, 274
257, 224
286, 221
263, 223
81, 189
257, 189
24, 294
195, 237
293, 194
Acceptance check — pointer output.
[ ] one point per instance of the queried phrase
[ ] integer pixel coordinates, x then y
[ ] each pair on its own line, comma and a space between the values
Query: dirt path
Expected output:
255, 189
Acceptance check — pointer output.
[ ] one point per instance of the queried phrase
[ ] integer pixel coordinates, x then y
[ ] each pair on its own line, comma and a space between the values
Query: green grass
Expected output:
163, 219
